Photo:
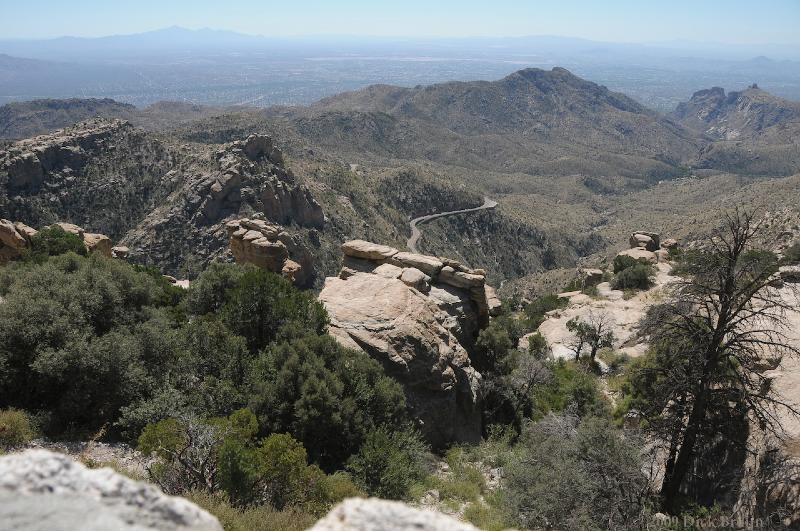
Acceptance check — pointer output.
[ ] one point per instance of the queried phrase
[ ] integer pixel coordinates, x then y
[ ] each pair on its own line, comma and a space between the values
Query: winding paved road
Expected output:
416, 234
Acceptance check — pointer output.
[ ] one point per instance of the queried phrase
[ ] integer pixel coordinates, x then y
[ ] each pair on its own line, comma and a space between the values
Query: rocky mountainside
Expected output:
571, 164
737, 115
533, 121
30, 118
752, 130
166, 202
104, 175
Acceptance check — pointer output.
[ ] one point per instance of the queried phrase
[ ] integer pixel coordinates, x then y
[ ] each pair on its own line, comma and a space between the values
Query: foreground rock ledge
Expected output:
357, 514
46, 491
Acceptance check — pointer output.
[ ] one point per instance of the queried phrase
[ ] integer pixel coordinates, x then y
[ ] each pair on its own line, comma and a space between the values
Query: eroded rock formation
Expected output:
269, 246
419, 316
28, 161
245, 179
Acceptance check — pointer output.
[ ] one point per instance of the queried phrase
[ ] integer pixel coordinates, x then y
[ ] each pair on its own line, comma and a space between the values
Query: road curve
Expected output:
416, 234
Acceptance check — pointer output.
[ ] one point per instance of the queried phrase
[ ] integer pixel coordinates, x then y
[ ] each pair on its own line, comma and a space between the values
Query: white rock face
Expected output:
357, 514
420, 326
46, 491
623, 315
413, 336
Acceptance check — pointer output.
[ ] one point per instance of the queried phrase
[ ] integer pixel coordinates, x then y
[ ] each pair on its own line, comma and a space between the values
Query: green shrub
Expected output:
207, 294
638, 276
537, 346
572, 388
464, 481
536, 310
623, 262
53, 241
15, 428
791, 255
263, 305
281, 472
494, 344
253, 518
488, 516
312, 387
574, 475
80, 338
389, 463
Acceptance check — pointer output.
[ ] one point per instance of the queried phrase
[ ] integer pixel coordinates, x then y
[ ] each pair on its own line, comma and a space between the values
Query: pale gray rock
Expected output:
592, 277
639, 254
367, 250
460, 279
411, 276
413, 337
429, 265
357, 514
46, 491
388, 271
650, 241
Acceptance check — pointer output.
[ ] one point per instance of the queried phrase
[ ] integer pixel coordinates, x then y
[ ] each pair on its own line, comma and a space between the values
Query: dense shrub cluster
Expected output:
53, 241
225, 454
253, 411
89, 343
568, 473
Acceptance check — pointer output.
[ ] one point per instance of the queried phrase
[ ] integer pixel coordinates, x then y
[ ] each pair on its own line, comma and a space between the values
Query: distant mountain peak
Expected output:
739, 114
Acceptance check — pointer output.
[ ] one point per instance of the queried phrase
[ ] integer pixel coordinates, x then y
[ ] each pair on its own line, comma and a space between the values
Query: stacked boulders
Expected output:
590, 277
16, 237
419, 316
648, 246
421, 271
268, 246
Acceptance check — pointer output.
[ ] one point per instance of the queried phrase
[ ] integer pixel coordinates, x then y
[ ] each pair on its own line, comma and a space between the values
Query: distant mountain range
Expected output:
532, 121
572, 164
215, 67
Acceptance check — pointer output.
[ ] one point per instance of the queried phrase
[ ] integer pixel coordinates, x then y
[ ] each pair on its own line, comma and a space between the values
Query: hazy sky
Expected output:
733, 21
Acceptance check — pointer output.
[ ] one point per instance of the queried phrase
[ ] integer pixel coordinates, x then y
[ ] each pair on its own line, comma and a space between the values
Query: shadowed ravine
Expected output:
416, 234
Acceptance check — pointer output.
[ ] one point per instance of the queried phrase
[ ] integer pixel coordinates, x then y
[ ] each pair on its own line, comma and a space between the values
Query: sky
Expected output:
723, 21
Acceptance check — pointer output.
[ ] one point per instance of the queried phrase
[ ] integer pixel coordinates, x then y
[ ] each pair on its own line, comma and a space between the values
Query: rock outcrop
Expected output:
46, 491
269, 246
100, 173
419, 316
244, 180
16, 237
648, 246
28, 161
356, 514
257, 165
